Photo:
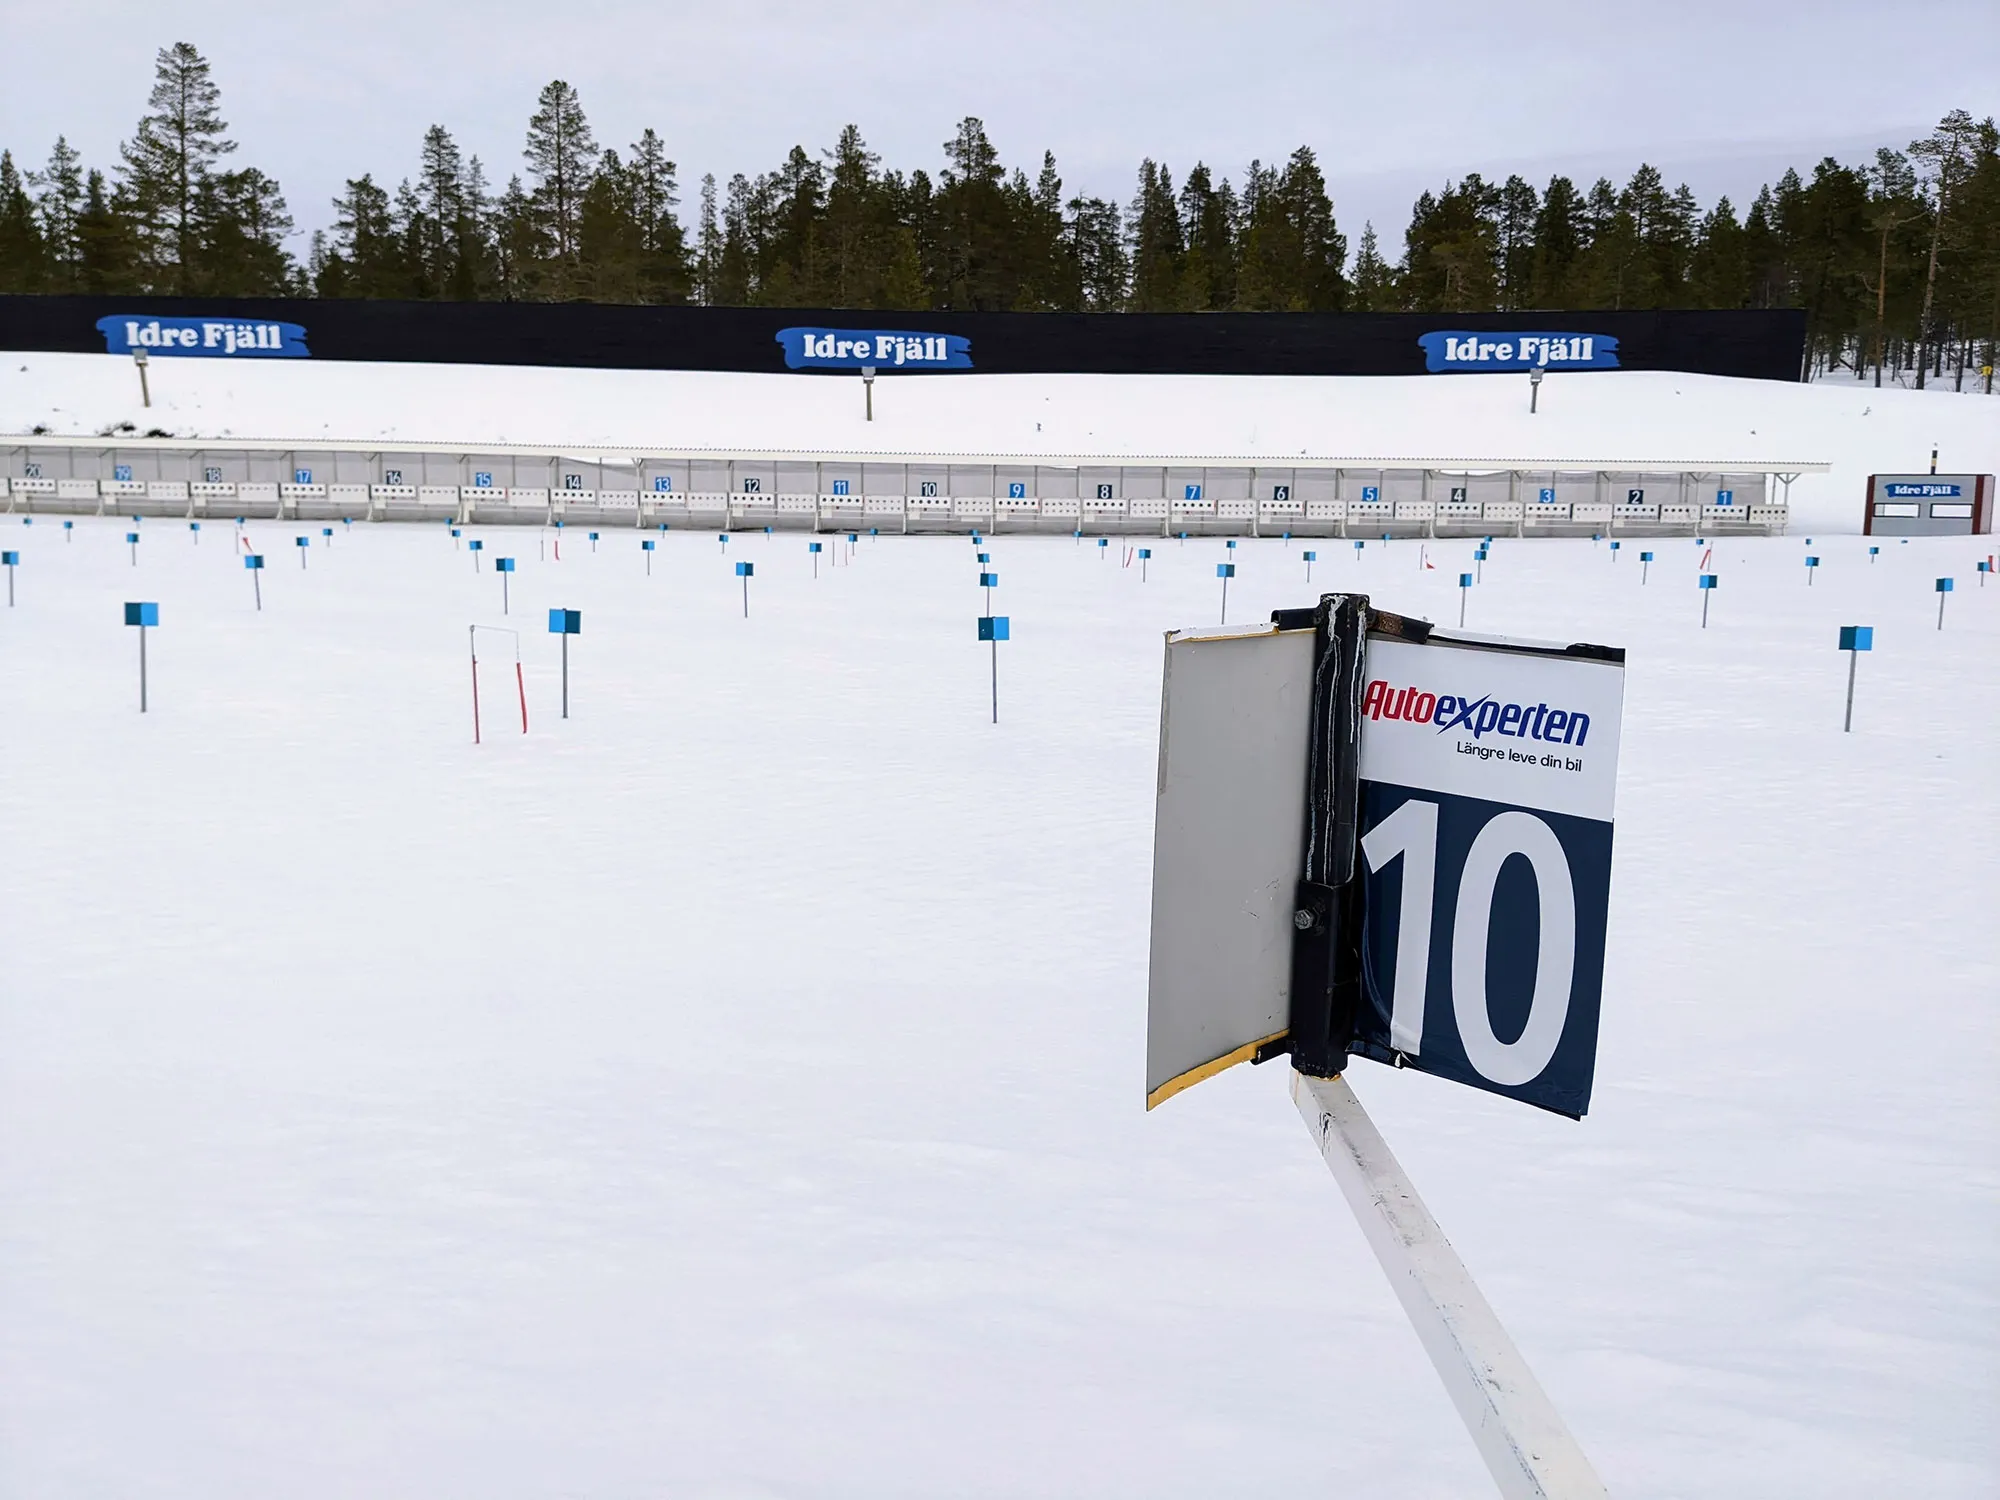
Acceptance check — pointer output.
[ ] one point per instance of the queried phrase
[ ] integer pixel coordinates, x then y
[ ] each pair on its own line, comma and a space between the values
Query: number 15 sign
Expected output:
1381, 839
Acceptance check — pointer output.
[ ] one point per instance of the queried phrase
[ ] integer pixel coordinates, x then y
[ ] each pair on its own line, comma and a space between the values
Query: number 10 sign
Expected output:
1379, 839
1487, 779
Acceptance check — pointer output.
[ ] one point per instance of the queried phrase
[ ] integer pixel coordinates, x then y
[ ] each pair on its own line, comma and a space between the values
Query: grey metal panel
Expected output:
749, 477
1143, 484
796, 477
1573, 488
1353, 481
708, 476
1228, 484
409, 465
1749, 489
1403, 484
842, 479
1055, 483
1316, 484
1228, 836
974, 481
1006, 476
890, 479
1091, 476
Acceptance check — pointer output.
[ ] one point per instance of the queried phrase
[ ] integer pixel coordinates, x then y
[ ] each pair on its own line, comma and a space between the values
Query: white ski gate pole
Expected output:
1518, 1432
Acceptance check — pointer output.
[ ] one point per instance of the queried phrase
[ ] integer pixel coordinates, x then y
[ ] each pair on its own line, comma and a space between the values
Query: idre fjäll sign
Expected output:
214, 338
867, 348
1462, 353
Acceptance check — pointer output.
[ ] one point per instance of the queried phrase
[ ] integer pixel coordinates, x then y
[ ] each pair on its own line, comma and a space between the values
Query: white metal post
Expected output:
1527, 1448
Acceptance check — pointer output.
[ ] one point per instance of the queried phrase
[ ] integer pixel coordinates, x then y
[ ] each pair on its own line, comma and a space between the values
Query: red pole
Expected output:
521, 683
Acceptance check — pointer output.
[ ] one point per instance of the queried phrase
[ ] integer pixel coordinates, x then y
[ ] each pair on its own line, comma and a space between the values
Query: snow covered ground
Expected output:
1586, 420
736, 1090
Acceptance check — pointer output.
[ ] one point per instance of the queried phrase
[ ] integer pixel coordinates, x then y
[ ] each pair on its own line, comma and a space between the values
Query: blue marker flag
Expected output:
989, 580
647, 544
500, 564
1944, 585
993, 628
1145, 552
745, 570
9, 559
142, 614
565, 622
1708, 580
1225, 570
1465, 580
1857, 637
1645, 557
812, 546
1312, 557
254, 560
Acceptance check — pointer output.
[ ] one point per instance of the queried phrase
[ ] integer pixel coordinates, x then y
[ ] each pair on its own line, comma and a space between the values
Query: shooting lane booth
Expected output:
1929, 505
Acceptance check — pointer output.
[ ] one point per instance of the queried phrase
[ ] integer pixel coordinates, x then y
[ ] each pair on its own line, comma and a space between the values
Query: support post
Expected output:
1522, 1438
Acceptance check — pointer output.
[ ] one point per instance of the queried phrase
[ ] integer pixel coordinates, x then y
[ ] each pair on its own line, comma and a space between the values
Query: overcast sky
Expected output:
1393, 97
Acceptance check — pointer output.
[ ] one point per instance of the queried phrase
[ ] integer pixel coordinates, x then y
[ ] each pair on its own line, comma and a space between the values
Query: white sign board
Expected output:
1227, 842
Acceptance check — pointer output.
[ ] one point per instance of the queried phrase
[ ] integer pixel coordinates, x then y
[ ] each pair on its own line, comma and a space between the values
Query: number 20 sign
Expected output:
1488, 780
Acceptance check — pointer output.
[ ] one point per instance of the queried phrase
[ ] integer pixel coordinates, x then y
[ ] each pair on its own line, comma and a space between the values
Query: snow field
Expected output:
737, 1090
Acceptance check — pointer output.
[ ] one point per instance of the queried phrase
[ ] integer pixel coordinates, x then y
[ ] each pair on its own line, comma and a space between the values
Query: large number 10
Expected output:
1411, 832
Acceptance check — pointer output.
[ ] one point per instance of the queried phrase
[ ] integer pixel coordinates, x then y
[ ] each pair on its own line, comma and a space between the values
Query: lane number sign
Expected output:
1488, 781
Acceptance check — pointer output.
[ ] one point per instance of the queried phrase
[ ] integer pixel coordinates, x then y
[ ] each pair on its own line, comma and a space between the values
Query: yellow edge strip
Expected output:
1193, 1076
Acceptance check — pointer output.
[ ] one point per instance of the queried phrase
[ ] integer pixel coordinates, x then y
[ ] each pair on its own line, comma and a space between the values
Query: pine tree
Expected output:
608, 243
472, 267
1097, 255
1719, 268
654, 189
107, 256
973, 223
1558, 245
518, 244
1374, 279
243, 223
561, 156
366, 260
708, 247
175, 147
1291, 254
59, 200
436, 209
1945, 158
1208, 219
1154, 242
23, 256
1515, 228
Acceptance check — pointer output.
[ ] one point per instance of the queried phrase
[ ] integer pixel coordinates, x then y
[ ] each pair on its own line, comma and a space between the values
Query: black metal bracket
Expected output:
1326, 913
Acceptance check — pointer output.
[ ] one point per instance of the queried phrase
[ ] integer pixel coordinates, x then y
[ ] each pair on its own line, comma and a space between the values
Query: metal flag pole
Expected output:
1526, 1445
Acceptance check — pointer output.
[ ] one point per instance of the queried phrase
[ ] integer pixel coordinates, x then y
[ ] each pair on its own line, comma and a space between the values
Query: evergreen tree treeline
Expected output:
1896, 261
